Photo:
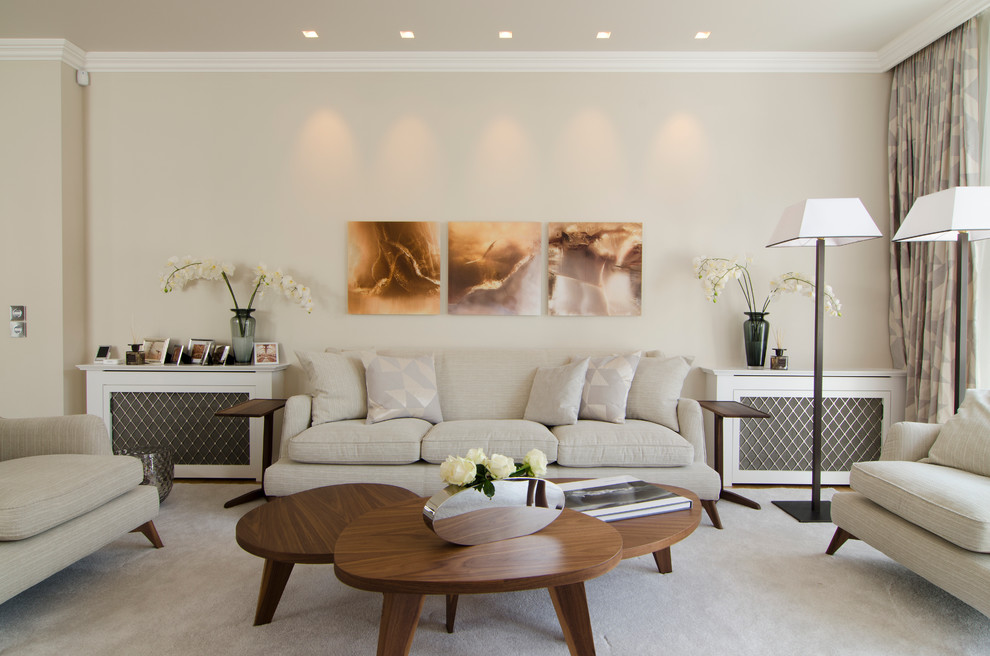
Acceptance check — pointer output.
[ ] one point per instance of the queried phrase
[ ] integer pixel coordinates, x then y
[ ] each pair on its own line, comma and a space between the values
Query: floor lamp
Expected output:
962, 215
820, 222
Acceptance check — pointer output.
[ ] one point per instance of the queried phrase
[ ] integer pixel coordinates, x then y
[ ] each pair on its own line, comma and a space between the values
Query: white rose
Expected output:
476, 456
537, 461
500, 466
458, 471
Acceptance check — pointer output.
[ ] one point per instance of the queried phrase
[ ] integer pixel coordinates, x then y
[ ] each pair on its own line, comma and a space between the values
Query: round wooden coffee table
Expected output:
391, 550
303, 528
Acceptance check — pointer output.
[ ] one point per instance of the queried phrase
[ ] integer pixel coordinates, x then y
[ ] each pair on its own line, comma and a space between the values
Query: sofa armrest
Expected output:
692, 426
909, 440
296, 418
38, 436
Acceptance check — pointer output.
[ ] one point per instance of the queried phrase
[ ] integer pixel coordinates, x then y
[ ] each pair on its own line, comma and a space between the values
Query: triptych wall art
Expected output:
495, 268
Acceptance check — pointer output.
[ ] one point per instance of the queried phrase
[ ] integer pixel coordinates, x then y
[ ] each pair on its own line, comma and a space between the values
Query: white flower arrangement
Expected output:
179, 271
716, 272
478, 471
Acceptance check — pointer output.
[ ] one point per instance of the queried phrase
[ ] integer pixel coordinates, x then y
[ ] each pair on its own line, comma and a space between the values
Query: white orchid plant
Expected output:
478, 471
179, 271
716, 272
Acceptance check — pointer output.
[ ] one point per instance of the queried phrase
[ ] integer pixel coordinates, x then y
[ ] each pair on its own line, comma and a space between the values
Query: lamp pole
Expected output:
817, 405
962, 296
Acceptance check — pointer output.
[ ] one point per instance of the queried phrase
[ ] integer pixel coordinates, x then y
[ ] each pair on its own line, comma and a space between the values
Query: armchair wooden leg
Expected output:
709, 506
149, 531
839, 539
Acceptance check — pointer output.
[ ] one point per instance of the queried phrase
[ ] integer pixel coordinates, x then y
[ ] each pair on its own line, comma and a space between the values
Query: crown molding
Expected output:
482, 62
946, 19
42, 50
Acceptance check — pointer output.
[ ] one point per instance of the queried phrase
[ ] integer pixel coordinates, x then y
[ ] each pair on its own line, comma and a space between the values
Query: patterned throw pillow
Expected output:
555, 398
606, 387
964, 441
401, 387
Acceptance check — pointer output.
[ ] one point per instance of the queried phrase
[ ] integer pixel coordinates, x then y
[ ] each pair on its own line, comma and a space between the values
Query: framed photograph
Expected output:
265, 353
199, 349
155, 349
102, 353
220, 352
175, 357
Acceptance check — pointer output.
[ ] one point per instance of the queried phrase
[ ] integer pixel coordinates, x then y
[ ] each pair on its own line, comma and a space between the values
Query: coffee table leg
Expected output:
662, 558
571, 605
273, 580
451, 611
400, 615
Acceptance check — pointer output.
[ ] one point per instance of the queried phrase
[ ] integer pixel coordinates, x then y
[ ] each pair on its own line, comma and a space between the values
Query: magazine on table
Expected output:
620, 497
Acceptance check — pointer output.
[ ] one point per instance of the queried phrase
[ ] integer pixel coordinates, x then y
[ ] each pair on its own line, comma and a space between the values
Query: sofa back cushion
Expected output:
336, 381
964, 441
656, 389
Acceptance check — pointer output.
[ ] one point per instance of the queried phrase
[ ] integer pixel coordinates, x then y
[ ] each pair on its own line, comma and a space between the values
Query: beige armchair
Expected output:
63, 496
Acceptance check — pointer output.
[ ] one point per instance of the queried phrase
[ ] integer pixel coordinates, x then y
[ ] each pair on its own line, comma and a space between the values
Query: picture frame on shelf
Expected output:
199, 349
155, 350
220, 352
175, 357
102, 353
266, 353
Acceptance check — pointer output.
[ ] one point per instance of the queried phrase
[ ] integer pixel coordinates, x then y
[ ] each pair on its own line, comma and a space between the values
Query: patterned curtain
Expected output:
933, 144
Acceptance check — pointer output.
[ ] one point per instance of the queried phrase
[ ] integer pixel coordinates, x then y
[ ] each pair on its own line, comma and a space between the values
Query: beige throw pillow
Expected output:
606, 387
401, 387
555, 398
337, 384
964, 441
656, 388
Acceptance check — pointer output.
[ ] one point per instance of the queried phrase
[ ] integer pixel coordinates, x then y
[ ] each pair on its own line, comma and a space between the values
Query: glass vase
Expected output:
756, 329
242, 334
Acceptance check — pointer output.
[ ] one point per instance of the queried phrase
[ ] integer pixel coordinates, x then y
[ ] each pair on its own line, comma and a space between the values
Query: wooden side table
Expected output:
731, 410
256, 408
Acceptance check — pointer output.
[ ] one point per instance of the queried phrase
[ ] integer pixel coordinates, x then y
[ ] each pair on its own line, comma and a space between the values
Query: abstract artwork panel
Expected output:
595, 269
393, 267
494, 268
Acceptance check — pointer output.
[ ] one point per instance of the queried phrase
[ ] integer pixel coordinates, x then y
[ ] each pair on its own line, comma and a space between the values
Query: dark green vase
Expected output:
756, 330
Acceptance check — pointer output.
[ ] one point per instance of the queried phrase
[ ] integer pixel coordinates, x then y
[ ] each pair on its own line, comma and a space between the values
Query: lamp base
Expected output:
802, 511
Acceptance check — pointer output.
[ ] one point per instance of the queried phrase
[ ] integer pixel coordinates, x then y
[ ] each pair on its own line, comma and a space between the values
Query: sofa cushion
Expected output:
337, 384
964, 441
606, 387
656, 388
555, 397
510, 437
394, 442
40, 492
632, 444
951, 503
401, 387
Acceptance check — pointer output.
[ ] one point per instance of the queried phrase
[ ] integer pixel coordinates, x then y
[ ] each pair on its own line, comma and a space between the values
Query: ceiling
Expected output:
885, 28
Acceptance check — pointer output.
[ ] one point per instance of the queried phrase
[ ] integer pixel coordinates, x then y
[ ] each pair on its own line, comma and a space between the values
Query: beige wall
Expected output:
42, 214
270, 167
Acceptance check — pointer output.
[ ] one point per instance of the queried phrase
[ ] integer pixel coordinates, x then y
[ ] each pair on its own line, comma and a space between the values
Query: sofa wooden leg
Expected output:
149, 531
839, 539
709, 506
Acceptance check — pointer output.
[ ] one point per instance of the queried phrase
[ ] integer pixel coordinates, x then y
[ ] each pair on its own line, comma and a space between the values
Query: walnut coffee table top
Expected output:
304, 527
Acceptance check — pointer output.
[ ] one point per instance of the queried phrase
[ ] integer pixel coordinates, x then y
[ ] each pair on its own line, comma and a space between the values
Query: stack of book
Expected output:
620, 497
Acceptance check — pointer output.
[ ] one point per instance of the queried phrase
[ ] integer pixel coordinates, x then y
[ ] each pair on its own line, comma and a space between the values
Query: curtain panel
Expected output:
933, 144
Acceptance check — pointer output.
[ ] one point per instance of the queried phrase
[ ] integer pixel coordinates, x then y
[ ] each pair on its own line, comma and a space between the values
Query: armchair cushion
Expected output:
964, 441
951, 503
39, 492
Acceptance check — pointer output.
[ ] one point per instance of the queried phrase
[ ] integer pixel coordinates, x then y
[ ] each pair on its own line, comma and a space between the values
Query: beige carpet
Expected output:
761, 586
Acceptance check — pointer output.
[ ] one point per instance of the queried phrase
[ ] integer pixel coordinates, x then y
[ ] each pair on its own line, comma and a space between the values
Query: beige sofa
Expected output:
926, 502
484, 395
63, 496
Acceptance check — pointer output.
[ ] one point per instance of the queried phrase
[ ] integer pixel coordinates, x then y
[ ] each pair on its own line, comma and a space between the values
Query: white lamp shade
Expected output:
838, 221
943, 215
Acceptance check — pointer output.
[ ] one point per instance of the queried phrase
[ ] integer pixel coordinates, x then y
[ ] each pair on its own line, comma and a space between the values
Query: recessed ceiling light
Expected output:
702, 35
310, 34
505, 34
604, 35
407, 34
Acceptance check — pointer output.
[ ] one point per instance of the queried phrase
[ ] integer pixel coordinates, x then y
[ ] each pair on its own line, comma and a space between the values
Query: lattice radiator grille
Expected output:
184, 423
851, 432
